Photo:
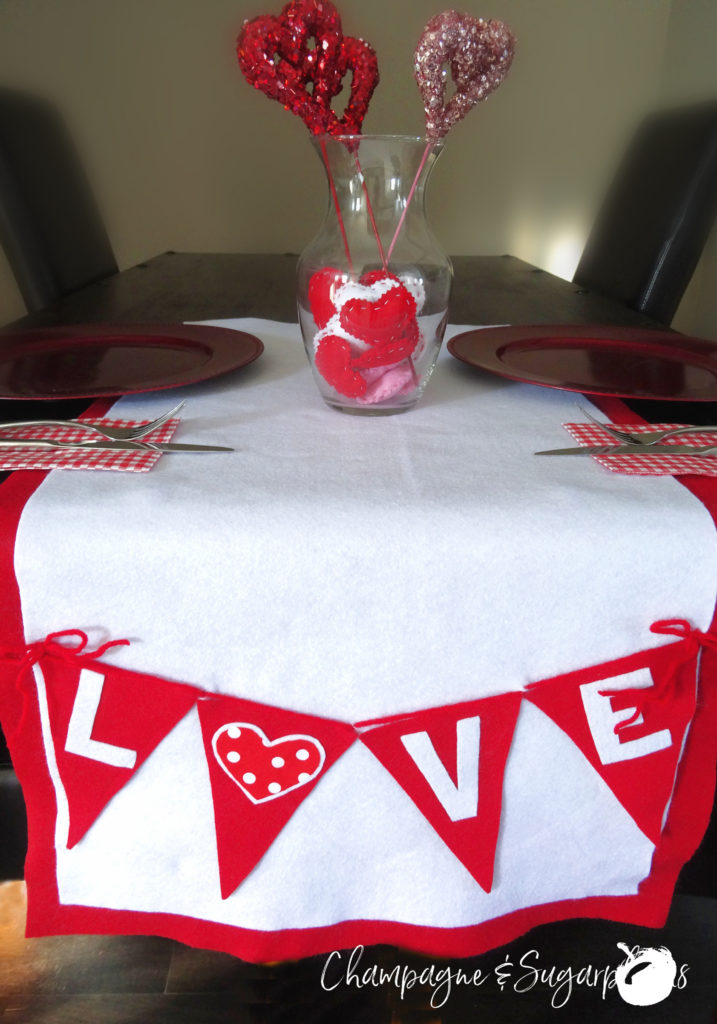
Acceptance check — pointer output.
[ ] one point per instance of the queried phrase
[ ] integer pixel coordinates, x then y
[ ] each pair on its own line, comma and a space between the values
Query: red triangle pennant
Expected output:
105, 722
629, 719
263, 763
450, 761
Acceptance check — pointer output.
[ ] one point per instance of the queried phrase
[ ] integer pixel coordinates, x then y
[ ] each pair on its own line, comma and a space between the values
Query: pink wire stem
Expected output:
410, 197
370, 214
332, 186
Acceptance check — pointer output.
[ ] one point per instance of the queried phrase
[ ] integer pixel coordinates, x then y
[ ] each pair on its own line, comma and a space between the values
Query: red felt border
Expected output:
689, 815
688, 819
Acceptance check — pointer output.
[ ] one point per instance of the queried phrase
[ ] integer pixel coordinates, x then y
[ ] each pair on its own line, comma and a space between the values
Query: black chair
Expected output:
13, 833
50, 229
55, 243
658, 213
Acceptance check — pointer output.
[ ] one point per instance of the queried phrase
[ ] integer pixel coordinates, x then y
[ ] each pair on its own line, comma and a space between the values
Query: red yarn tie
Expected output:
694, 641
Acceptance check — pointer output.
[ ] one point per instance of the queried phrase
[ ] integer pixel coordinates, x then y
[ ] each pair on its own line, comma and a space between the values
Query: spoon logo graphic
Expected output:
646, 976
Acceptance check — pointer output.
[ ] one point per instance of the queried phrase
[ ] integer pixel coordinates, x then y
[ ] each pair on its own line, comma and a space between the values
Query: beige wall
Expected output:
184, 155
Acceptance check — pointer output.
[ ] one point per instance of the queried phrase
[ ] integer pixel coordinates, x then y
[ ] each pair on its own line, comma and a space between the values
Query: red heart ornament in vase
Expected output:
479, 54
334, 361
374, 326
322, 288
378, 313
265, 769
369, 377
300, 58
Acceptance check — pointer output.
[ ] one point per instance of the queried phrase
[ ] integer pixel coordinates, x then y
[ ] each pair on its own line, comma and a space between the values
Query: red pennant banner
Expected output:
263, 763
451, 761
630, 724
105, 723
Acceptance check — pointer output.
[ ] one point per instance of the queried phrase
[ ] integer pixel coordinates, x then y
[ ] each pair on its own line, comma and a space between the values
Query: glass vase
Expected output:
374, 284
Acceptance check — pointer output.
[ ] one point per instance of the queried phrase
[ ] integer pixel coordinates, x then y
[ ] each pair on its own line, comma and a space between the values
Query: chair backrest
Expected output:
657, 214
50, 229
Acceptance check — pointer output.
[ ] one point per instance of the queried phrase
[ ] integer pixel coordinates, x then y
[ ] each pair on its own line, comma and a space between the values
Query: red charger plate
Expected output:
598, 359
97, 360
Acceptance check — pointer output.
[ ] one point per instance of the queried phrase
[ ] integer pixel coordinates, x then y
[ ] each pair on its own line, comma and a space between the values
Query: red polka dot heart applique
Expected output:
265, 769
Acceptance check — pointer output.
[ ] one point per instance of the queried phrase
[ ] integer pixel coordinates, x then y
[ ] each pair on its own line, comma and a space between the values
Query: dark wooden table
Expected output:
178, 287
202, 286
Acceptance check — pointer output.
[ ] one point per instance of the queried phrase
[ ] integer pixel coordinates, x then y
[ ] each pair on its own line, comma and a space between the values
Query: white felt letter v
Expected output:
79, 733
460, 800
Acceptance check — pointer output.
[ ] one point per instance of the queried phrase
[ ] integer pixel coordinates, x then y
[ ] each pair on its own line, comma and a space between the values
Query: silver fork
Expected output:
649, 436
113, 433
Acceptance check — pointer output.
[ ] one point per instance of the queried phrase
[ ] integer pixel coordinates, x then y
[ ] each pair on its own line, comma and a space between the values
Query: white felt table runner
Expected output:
355, 568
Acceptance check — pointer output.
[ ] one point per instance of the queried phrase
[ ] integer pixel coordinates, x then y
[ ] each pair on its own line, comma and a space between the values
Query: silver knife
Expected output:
113, 446
635, 449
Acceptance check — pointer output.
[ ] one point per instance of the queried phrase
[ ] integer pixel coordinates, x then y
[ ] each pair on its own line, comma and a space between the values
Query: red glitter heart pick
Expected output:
359, 58
479, 54
276, 55
316, 20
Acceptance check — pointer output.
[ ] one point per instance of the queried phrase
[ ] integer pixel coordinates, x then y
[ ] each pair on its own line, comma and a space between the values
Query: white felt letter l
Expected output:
79, 734
458, 801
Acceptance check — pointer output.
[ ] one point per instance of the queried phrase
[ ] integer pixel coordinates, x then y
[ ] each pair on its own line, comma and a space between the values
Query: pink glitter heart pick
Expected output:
479, 54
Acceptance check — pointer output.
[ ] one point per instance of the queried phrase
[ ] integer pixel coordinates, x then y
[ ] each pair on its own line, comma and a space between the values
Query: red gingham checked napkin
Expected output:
587, 434
49, 458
